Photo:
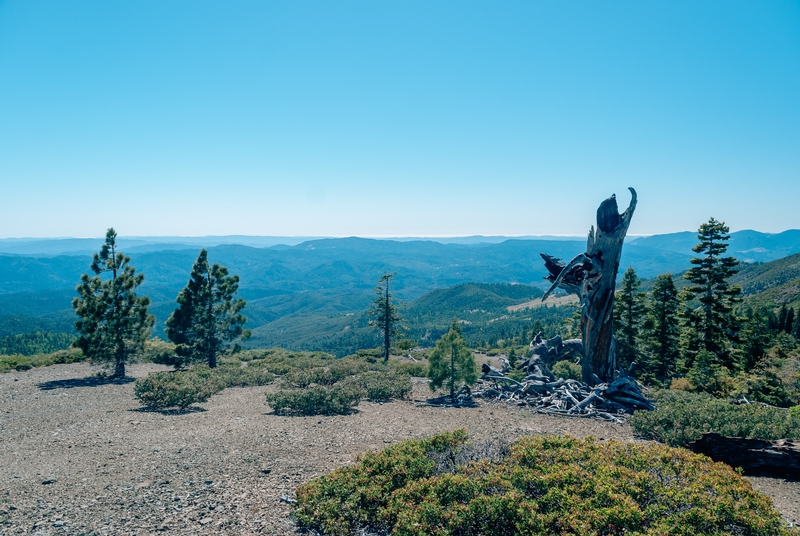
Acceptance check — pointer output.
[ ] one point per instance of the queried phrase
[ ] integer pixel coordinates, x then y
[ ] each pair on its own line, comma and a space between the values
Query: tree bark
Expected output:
592, 276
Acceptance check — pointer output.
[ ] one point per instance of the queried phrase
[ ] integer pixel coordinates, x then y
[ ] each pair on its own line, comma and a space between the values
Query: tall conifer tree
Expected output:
113, 321
208, 314
756, 339
385, 316
629, 309
789, 321
713, 325
662, 339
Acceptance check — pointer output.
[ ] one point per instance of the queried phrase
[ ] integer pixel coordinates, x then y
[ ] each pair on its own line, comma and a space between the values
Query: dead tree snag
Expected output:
592, 276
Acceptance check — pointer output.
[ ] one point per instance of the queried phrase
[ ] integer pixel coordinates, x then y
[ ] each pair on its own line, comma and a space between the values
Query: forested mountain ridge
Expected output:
482, 308
319, 282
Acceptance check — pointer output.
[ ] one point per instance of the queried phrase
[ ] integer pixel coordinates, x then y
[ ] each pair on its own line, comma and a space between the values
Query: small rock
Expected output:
266, 471
206, 521
49, 481
59, 523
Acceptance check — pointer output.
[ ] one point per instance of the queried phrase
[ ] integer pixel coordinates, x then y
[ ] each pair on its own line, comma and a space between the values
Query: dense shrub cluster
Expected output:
339, 399
162, 390
181, 389
682, 417
327, 375
157, 350
382, 386
318, 384
280, 361
27, 362
541, 486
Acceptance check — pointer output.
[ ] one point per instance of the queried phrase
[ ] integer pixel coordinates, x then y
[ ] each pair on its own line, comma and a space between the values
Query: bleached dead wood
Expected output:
592, 276
570, 398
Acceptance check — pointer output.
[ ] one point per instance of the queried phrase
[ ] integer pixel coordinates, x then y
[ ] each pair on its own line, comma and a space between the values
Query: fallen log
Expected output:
779, 458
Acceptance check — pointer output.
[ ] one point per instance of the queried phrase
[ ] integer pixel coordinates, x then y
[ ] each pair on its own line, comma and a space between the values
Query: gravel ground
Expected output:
78, 456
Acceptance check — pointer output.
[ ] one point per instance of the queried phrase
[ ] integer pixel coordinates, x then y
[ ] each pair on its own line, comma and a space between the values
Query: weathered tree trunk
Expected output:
592, 276
756, 456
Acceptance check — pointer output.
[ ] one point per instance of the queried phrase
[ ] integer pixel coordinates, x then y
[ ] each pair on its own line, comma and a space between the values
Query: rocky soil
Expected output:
78, 456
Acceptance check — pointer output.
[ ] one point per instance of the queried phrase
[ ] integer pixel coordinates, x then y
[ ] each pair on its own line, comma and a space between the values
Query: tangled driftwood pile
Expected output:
540, 389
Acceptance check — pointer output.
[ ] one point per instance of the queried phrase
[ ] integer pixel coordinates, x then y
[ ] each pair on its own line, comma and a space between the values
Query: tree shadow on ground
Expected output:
170, 411
91, 381
274, 413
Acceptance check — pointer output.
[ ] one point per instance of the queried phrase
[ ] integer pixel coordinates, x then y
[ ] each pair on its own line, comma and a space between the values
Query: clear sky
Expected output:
376, 118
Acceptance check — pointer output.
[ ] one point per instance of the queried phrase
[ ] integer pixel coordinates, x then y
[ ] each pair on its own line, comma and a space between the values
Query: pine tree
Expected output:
797, 328
662, 339
789, 321
385, 315
113, 321
713, 325
782, 314
629, 308
208, 314
451, 361
756, 339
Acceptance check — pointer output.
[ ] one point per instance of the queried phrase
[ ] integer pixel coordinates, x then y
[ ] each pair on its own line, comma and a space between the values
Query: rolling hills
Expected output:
315, 292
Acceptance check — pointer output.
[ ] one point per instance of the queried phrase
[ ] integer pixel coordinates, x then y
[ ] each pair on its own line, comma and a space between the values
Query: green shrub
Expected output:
328, 375
233, 374
567, 370
279, 361
162, 390
794, 411
181, 389
682, 417
543, 486
383, 386
162, 352
516, 374
317, 400
350, 498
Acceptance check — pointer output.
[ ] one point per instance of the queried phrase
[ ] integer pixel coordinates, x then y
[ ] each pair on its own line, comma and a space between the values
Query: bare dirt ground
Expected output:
79, 457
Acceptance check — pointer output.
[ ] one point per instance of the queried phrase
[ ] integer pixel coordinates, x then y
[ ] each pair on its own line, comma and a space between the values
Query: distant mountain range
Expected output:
747, 246
322, 278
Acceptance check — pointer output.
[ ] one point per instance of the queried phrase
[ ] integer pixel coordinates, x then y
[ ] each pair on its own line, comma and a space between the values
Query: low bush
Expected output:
567, 370
316, 400
415, 370
539, 486
682, 417
163, 390
233, 374
181, 389
328, 375
27, 362
279, 361
162, 352
383, 386
516, 374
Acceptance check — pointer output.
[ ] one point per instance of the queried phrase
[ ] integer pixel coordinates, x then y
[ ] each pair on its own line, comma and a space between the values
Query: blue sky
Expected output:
396, 118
